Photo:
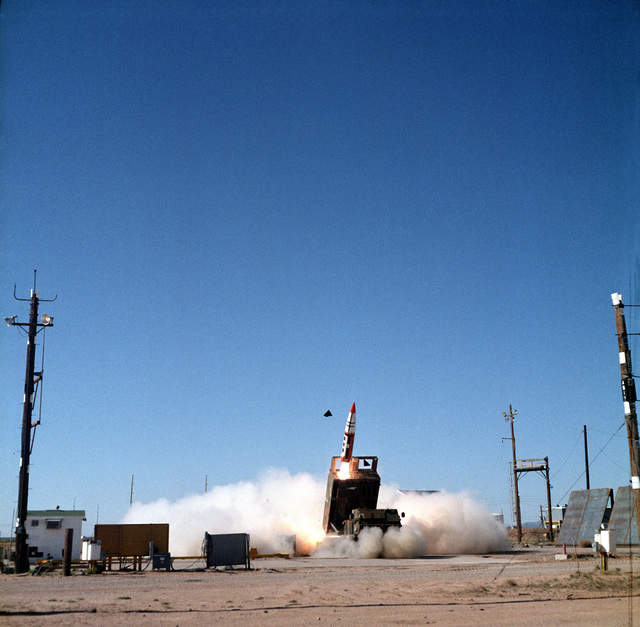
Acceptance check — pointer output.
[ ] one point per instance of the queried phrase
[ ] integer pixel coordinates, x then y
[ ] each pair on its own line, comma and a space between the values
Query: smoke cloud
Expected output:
449, 523
279, 506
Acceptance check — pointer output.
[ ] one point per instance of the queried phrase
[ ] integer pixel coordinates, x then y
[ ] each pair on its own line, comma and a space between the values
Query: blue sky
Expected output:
252, 212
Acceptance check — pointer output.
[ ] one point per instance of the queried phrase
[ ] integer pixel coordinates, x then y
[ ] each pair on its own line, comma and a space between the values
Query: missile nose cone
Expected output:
353, 408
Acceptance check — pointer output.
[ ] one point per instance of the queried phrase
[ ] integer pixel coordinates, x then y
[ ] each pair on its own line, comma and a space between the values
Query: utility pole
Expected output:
131, 493
22, 549
510, 417
549, 510
629, 399
586, 456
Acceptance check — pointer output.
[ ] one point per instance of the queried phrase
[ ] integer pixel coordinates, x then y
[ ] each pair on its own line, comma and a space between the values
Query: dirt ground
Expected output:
528, 586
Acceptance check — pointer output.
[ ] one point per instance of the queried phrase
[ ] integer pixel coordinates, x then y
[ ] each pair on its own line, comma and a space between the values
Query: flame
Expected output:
344, 473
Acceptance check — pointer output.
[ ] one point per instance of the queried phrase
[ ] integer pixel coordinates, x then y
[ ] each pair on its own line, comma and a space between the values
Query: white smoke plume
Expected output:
449, 523
280, 505
403, 542
277, 505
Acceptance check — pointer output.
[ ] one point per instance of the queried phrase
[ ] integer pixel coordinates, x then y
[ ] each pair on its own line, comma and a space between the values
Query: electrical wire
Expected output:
568, 456
39, 384
615, 463
590, 463
44, 335
190, 566
607, 442
593, 430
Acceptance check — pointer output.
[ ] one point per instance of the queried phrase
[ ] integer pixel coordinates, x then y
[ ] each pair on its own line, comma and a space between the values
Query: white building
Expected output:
46, 530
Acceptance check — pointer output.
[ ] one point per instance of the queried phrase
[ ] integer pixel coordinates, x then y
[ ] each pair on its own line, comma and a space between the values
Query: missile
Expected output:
349, 436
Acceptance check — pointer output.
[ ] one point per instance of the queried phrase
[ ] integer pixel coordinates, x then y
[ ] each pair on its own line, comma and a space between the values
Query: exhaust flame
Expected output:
344, 473
280, 505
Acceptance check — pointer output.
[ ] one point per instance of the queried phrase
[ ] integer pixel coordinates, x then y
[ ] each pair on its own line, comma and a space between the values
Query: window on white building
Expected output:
53, 524
34, 523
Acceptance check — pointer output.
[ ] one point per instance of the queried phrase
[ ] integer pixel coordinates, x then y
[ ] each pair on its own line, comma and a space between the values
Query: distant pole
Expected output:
541, 517
629, 400
549, 511
586, 456
206, 478
13, 515
131, 493
510, 418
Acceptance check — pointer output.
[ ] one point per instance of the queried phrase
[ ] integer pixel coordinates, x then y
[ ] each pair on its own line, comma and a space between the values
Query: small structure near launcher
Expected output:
352, 498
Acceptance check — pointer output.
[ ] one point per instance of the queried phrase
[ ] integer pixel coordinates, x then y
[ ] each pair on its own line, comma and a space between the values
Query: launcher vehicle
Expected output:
352, 498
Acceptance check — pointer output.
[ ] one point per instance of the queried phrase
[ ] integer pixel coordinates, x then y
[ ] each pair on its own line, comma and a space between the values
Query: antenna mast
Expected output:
22, 549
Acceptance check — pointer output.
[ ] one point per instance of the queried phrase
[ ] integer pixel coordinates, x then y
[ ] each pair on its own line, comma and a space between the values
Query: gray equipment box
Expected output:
227, 549
162, 561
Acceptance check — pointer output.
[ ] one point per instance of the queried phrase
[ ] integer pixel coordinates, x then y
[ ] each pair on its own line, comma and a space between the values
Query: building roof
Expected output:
56, 513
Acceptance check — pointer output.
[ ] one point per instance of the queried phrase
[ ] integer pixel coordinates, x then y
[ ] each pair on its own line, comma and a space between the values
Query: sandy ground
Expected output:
525, 587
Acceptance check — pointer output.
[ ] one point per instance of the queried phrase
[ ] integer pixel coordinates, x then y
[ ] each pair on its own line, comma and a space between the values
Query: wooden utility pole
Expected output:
629, 400
549, 510
586, 456
510, 417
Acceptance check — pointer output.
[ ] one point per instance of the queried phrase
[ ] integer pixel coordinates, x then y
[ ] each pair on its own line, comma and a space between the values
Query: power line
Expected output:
591, 463
555, 474
614, 462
